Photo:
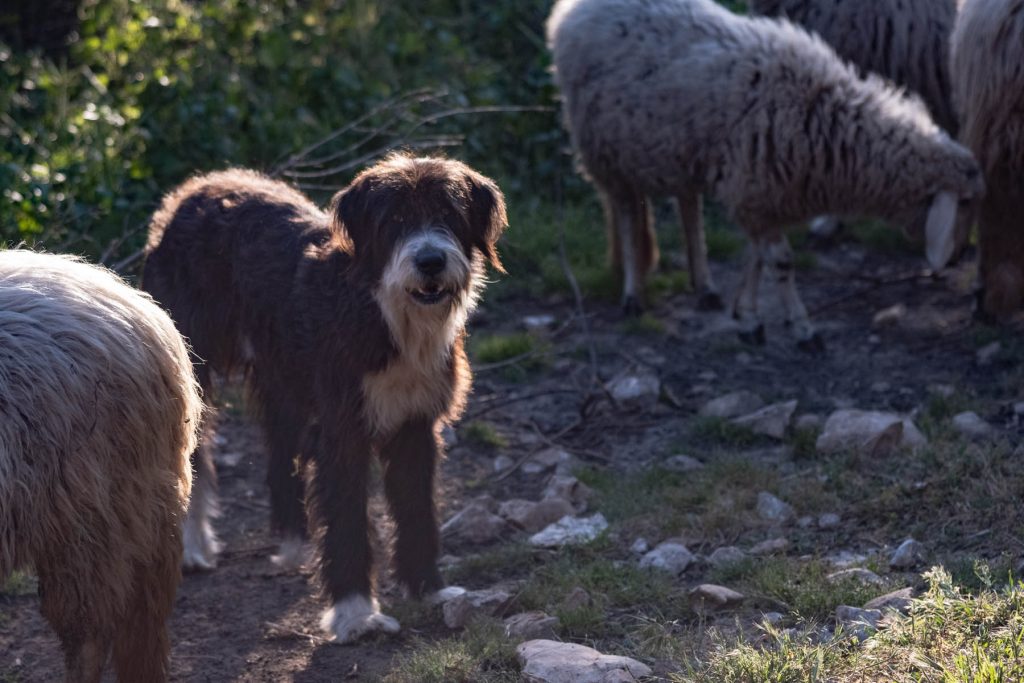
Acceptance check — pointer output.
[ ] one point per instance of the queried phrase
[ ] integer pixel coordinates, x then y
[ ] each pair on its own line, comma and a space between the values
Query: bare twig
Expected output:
128, 261
282, 631
499, 403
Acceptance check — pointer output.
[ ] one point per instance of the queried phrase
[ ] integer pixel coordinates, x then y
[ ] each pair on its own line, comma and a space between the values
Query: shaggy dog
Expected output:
350, 327
99, 410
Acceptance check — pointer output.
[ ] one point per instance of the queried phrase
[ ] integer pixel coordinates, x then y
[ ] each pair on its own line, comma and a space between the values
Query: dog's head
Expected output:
422, 228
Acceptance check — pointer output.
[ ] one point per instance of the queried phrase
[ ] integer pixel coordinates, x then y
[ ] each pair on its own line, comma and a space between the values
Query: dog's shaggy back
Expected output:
99, 410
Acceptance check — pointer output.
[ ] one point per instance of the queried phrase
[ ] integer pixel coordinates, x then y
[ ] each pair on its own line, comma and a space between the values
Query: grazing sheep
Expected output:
683, 97
987, 67
98, 413
907, 41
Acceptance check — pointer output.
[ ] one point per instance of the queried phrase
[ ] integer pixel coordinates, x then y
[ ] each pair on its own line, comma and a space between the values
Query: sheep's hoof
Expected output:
754, 337
710, 300
631, 307
814, 344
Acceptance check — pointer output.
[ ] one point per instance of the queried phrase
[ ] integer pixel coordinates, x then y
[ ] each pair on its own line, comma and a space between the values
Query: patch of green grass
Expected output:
716, 431
723, 243
621, 497
482, 433
645, 324
804, 261
492, 565
501, 347
481, 654
881, 237
20, 583
803, 442
668, 283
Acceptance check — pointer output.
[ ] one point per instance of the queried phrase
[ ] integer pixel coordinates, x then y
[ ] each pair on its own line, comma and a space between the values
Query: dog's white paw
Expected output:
445, 594
201, 546
292, 553
355, 616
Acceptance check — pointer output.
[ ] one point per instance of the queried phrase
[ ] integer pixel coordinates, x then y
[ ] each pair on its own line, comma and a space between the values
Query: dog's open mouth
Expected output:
430, 294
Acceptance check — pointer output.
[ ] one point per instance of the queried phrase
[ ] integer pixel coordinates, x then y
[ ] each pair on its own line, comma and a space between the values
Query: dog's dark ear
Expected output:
487, 219
351, 213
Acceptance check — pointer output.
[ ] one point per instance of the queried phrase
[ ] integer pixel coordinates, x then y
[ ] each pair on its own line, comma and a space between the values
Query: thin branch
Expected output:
438, 141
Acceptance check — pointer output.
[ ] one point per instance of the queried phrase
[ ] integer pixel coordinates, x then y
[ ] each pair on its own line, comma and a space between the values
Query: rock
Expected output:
682, 463
474, 523
448, 435
502, 463
969, 424
868, 431
772, 546
808, 421
549, 661
570, 531
856, 573
771, 420
772, 618
461, 609
844, 559
549, 459
538, 322
881, 387
640, 546
857, 618
639, 390
708, 597
529, 625
726, 556
898, 601
669, 556
829, 520
228, 458
908, 555
568, 488
575, 599
986, 354
732, 405
533, 517
805, 522
1018, 408
889, 316
744, 358
771, 509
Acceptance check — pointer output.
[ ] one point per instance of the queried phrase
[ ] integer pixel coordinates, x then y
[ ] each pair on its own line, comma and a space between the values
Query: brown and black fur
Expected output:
259, 278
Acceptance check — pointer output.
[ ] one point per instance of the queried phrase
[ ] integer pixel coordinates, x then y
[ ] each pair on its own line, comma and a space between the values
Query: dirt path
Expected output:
248, 621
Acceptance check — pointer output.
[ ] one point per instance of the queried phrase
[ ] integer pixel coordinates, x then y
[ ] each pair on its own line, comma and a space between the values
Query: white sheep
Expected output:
684, 98
987, 68
98, 414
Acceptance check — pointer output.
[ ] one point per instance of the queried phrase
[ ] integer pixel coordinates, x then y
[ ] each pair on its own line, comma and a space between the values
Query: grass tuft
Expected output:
480, 433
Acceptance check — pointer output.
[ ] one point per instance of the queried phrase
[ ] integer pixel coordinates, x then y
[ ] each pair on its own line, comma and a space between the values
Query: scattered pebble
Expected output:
549, 459
549, 661
1018, 408
829, 520
708, 597
568, 488
908, 555
772, 618
670, 556
986, 354
868, 431
805, 522
858, 573
808, 421
530, 625
855, 615
771, 420
772, 546
771, 509
845, 558
889, 316
538, 322
503, 463
732, 405
575, 599
570, 531
682, 463
971, 425
897, 600
635, 390
475, 523
533, 517
460, 610
726, 556
640, 546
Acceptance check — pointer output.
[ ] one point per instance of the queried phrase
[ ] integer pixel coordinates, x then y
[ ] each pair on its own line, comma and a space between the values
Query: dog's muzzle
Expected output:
430, 263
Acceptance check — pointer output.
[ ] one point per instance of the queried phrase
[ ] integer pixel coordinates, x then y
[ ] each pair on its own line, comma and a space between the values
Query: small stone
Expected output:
568, 488
635, 390
772, 546
853, 616
868, 431
772, 618
726, 556
460, 610
969, 424
845, 558
897, 600
856, 573
942, 390
708, 597
682, 463
446, 561
669, 556
549, 661
548, 459
771, 420
503, 463
575, 599
808, 422
538, 322
771, 509
805, 522
986, 354
228, 459
881, 387
533, 517
908, 555
1018, 408
640, 546
474, 523
529, 625
570, 531
744, 358
829, 520
449, 436
889, 316
732, 405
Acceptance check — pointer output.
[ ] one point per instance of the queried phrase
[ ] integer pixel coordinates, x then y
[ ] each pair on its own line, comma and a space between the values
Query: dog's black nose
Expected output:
430, 261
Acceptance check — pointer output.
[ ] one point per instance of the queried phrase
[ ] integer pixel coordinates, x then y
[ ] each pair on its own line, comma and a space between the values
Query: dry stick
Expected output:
285, 632
416, 143
861, 292
127, 261
500, 403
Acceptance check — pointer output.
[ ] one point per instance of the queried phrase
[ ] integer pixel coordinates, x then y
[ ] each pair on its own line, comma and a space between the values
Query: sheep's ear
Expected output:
939, 230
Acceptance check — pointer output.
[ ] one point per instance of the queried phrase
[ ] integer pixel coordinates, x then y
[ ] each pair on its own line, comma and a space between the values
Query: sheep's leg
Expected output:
201, 544
780, 255
283, 426
624, 213
691, 215
410, 463
751, 330
79, 613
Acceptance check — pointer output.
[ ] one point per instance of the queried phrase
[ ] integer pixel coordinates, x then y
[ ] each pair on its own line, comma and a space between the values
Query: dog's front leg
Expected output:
337, 509
410, 460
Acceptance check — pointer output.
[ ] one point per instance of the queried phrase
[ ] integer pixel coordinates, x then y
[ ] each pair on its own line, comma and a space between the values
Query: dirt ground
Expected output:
247, 621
